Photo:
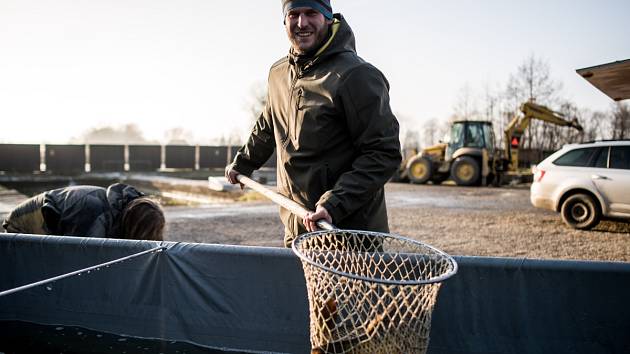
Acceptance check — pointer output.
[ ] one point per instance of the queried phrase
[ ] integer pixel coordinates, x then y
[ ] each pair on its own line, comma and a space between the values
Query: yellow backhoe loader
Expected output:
469, 156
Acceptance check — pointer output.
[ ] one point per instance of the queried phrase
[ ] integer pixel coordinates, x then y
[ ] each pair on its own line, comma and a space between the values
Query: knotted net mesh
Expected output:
370, 292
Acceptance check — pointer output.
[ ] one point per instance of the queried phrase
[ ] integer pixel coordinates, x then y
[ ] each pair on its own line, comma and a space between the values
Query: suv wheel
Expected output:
580, 211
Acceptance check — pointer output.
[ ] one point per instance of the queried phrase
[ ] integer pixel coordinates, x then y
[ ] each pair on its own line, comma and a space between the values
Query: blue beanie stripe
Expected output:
323, 6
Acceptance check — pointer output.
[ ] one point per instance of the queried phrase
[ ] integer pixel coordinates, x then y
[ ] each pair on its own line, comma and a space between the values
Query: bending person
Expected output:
120, 211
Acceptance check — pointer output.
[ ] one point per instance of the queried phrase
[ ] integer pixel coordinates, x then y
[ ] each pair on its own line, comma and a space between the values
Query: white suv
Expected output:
585, 182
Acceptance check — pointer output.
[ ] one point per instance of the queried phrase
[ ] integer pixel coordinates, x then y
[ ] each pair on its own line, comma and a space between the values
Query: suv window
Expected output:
577, 157
601, 158
620, 157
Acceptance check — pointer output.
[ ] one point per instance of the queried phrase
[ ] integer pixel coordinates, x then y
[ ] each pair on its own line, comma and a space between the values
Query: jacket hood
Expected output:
119, 195
341, 39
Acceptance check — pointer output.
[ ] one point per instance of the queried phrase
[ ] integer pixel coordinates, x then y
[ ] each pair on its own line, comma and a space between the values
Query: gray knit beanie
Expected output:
322, 6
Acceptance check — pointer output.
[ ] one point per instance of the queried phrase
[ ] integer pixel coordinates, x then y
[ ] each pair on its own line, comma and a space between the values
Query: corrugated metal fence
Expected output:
69, 159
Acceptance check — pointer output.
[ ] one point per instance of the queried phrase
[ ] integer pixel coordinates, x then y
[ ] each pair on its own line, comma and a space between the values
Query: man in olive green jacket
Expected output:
328, 116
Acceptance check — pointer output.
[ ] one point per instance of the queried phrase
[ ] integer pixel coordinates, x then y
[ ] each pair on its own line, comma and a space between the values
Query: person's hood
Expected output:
119, 195
341, 40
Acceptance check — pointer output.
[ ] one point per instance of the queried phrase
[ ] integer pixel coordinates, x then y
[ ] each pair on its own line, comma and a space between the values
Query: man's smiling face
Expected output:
306, 28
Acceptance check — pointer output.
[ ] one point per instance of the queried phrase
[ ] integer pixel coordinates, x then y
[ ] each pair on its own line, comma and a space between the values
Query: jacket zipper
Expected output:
294, 111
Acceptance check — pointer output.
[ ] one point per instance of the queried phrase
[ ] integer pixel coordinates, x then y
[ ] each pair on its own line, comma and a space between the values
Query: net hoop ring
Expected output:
297, 249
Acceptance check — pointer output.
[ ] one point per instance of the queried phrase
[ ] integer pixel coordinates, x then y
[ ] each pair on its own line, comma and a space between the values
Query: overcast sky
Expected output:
66, 66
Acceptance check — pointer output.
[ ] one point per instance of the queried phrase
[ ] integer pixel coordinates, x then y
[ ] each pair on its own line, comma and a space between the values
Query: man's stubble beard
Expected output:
320, 38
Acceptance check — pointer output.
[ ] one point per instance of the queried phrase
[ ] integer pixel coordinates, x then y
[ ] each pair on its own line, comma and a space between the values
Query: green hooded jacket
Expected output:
329, 118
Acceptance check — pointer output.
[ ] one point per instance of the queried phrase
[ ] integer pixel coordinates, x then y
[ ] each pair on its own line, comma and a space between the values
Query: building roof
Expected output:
613, 79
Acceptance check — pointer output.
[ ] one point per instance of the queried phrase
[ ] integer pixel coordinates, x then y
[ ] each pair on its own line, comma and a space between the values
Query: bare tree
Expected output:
411, 140
594, 123
257, 100
178, 136
408, 133
532, 82
621, 121
466, 105
559, 136
602, 122
430, 132
493, 102
235, 137
126, 134
587, 120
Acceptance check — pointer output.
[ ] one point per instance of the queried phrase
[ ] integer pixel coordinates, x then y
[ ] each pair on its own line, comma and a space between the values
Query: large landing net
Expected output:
370, 292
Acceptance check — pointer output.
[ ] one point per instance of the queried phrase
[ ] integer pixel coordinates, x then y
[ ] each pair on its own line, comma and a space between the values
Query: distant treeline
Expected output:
499, 103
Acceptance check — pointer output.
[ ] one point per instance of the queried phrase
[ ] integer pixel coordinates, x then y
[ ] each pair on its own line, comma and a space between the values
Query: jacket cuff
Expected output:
333, 206
242, 168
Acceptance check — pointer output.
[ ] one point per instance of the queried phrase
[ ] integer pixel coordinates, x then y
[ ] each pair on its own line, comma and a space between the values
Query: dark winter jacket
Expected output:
337, 141
87, 211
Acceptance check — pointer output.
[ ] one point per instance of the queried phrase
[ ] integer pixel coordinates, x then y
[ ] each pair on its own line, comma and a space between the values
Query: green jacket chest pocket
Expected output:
315, 120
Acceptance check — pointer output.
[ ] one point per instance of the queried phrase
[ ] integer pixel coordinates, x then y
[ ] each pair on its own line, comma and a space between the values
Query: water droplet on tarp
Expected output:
59, 328
99, 335
49, 287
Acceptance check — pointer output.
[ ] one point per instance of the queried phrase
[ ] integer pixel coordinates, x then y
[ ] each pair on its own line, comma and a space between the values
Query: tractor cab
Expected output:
469, 134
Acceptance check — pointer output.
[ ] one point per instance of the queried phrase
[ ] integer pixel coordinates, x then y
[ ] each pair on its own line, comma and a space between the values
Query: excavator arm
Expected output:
516, 128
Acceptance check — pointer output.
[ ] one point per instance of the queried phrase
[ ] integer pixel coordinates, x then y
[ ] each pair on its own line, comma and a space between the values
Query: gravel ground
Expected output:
462, 221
